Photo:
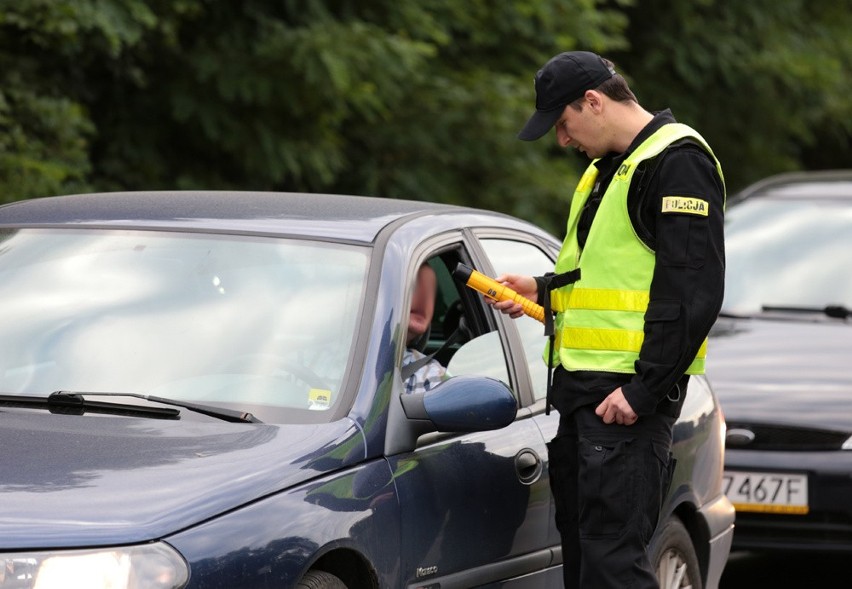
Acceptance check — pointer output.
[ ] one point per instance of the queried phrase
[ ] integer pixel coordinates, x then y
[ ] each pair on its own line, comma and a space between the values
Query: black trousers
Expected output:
608, 484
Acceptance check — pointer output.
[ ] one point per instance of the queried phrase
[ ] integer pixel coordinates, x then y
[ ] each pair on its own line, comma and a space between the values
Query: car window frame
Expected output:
454, 248
484, 264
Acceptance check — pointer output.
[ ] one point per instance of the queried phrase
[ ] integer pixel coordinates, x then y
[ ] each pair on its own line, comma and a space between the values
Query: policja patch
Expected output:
685, 204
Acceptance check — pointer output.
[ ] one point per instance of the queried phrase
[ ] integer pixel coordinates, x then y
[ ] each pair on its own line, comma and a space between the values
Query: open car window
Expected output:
480, 350
461, 337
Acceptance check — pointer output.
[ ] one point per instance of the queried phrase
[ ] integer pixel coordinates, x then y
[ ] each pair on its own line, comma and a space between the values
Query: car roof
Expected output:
357, 218
823, 184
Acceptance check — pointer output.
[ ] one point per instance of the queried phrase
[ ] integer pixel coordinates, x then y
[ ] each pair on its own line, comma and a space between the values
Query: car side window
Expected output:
458, 337
518, 257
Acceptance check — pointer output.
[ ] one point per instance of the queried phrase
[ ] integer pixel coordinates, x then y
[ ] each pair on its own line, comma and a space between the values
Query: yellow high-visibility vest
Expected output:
600, 318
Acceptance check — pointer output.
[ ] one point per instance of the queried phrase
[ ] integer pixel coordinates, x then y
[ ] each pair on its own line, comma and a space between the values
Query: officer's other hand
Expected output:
616, 409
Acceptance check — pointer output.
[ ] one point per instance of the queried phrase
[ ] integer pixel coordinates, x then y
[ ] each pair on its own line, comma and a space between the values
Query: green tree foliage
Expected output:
49, 51
767, 82
417, 99
400, 99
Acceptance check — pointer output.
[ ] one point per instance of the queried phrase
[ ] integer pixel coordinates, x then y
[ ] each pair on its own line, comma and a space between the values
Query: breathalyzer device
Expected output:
494, 290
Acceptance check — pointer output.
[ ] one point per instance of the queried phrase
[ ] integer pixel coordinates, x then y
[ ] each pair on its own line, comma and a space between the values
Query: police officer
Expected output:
636, 287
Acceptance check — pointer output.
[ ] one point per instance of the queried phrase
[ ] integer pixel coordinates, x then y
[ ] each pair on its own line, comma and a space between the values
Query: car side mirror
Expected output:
463, 404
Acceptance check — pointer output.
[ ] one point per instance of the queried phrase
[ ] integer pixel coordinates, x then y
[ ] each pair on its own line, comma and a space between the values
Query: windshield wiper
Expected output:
75, 403
836, 311
219, 412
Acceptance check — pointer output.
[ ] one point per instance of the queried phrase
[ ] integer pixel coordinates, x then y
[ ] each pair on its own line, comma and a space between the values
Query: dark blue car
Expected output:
203, 390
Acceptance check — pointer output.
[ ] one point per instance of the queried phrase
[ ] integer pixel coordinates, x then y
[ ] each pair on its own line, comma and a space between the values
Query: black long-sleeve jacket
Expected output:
690, 268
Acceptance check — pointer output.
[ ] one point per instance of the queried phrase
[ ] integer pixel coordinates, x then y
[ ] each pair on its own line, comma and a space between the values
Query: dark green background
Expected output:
413, 99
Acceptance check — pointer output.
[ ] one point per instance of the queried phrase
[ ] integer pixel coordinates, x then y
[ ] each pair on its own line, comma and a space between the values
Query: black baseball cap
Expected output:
562, 80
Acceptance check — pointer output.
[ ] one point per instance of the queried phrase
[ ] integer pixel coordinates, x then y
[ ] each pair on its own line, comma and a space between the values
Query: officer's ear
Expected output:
594, 100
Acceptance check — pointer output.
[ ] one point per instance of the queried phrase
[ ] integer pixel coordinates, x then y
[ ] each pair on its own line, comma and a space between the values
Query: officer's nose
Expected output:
562, 138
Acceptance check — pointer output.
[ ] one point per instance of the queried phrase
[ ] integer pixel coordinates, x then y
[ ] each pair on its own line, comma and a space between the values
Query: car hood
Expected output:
94, 480
786, 371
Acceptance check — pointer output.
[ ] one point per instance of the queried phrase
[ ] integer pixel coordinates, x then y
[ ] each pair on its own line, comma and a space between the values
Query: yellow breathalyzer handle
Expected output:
494, 290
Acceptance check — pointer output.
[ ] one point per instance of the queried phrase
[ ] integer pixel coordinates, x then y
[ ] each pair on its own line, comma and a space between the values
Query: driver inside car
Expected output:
431, 372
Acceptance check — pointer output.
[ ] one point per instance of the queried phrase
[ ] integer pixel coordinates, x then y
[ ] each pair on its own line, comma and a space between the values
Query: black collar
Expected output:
664, 117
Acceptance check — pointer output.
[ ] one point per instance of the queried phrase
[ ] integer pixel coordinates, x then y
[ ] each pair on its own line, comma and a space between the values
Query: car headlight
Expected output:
150, 566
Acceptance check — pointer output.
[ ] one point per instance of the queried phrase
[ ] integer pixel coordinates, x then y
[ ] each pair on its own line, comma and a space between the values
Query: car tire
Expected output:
673, 557
320, 580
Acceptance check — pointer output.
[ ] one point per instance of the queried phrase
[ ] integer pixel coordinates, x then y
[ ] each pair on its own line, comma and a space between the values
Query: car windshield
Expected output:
245, 322
788, 253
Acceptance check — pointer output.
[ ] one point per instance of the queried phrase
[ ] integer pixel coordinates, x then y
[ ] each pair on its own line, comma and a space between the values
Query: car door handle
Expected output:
528, 465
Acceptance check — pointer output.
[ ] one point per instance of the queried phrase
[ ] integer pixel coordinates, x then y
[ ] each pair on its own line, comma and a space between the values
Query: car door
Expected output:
519, 254
475, 507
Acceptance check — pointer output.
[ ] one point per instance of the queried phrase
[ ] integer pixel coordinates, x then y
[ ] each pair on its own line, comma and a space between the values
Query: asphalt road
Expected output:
802, 570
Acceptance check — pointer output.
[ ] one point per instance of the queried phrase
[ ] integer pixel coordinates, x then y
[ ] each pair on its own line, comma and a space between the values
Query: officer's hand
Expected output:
523, 285
616, 409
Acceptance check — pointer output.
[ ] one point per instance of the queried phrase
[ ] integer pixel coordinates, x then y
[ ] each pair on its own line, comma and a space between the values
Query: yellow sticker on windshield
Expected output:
685, 204
320, 399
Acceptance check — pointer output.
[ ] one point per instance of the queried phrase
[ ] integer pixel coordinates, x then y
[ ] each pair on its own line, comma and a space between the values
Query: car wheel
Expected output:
320, 580
674, 558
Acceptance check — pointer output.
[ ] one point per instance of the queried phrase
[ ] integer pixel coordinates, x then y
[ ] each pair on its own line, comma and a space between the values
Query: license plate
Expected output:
767, 492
